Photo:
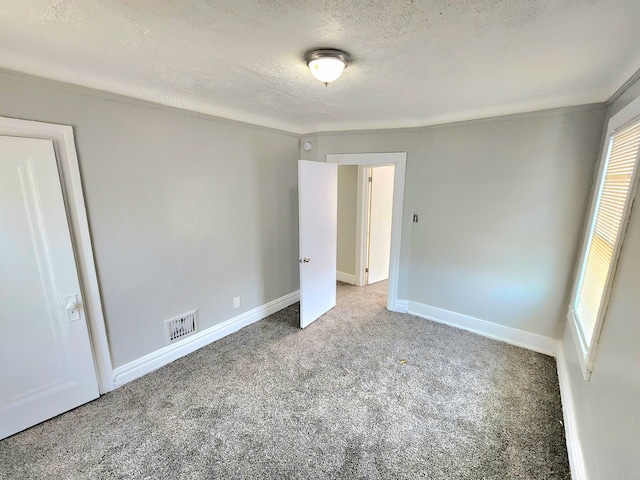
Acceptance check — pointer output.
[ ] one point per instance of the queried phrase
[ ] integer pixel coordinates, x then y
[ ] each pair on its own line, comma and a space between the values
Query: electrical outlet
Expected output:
236, 302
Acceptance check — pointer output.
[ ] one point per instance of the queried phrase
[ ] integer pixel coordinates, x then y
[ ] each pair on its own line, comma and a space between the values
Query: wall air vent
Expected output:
181, 326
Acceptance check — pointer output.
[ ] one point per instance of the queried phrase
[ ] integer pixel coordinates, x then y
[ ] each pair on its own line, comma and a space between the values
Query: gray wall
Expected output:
185, 211
607, 408
501, 204
188, 211
347, 210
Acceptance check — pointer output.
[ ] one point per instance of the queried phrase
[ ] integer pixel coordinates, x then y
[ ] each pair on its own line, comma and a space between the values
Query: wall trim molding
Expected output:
402, 306
262, 124
623, 88
163, 356
574, 450
521, 338
139, 101
455, 123
346, 277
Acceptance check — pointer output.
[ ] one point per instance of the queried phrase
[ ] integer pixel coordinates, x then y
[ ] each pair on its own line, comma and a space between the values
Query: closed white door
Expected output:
318, 224
46, 362
380, 217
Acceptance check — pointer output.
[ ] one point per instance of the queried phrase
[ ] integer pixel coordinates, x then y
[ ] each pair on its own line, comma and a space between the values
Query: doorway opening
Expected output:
365, 198
374, 243
317, 230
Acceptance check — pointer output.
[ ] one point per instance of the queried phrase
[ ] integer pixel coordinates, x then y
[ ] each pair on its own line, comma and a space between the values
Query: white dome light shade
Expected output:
326, 69
327, 65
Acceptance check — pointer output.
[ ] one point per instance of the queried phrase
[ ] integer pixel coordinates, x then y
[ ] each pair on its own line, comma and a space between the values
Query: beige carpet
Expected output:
361, 393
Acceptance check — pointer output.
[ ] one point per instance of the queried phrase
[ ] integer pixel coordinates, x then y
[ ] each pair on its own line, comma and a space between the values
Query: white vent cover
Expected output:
181, 326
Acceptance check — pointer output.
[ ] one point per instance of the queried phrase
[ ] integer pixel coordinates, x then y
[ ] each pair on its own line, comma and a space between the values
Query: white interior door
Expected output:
380, 217
318, 223
46, 362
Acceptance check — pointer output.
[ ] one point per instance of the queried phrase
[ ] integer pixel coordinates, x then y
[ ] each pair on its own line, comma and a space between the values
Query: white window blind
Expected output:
608, 222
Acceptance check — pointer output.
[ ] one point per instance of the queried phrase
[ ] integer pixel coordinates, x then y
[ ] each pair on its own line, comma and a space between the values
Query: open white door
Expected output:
380, 219
46, 362
318, 220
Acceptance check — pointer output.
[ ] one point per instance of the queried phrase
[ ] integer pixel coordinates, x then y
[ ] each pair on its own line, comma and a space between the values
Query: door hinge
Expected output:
370, 179
366, 270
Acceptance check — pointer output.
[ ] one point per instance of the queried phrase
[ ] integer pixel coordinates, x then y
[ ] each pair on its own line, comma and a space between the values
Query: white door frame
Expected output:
399, 160
64, 145
362, 213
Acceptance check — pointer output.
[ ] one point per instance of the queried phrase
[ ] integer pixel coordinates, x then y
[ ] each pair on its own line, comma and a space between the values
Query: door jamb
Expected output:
399, 160
363, 220
362, 192
69, 171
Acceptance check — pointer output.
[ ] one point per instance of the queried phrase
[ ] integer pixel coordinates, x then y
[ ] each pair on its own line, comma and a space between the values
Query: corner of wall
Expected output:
170, 353
349, 278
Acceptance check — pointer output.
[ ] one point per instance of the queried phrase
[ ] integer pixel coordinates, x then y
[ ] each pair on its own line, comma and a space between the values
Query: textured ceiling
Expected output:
415, 62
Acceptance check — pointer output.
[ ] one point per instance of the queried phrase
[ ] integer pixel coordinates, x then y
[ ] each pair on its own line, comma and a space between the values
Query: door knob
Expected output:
72, 306
304, 260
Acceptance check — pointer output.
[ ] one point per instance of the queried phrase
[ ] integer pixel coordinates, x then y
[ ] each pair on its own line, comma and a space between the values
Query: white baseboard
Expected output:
402, 306
531, 341
168, 354
346, 277
574, 450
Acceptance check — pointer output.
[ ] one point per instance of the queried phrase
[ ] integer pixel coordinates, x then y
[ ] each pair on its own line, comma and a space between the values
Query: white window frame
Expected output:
586, 352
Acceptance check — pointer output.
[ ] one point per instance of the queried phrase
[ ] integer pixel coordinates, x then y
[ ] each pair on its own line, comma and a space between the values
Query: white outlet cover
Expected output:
236, 302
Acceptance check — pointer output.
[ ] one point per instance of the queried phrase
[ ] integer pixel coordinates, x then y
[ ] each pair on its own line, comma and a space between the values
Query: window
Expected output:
607, 223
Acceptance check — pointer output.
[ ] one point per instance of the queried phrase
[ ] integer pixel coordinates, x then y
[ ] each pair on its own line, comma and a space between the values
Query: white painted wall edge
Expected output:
574, 450
528, 340
168, 354
346, 277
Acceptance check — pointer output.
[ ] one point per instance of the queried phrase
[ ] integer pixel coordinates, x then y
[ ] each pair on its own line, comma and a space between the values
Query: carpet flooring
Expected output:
361, 393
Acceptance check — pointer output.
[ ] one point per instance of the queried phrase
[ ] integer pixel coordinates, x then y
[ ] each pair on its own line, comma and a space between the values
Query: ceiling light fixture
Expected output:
327, 64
